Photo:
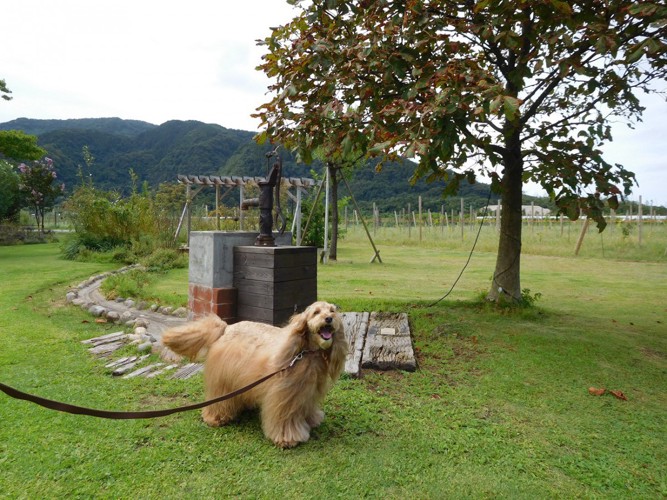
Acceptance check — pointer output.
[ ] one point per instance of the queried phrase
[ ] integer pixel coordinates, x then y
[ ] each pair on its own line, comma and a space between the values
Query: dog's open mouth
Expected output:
326, 332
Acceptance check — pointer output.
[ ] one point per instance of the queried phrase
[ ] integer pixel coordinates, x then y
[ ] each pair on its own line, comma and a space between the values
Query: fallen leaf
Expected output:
100, 320
85, 321
596, 392
619, 395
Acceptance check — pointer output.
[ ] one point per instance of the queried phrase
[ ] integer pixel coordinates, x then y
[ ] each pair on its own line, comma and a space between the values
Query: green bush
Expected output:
129, 227
164, 259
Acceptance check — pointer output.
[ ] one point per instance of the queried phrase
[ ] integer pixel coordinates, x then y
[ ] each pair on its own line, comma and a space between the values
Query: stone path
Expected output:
376, 340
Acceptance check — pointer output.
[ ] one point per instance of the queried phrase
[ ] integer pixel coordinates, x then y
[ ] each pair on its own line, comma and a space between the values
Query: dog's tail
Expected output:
194, 339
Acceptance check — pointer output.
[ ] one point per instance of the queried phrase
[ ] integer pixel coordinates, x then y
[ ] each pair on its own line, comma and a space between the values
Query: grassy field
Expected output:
499, 406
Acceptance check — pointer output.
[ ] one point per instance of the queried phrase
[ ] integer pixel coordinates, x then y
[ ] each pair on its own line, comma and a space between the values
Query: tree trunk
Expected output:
333, 250
506, 284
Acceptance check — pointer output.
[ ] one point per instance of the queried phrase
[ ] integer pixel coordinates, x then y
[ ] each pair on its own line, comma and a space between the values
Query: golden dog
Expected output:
239, 354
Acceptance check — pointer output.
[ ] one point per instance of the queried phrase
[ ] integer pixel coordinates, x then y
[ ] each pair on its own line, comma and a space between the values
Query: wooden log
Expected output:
356, 325
388, 343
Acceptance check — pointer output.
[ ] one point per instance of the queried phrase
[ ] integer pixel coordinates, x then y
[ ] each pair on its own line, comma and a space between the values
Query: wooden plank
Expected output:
161, 371
188, 370
388, 343
106, 349
122, 370
301, 293
277, 317
275, 275
144, 370
286, 257
112, 336
121, 361
272, 288
356, 325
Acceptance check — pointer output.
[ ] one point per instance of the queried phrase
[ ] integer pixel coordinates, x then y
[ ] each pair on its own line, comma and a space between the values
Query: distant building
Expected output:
528, 210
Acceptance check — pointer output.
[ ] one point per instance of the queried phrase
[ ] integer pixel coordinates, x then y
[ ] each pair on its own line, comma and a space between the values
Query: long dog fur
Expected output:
239, 354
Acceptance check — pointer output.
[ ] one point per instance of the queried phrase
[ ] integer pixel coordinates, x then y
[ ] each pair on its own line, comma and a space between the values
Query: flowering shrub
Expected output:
39, 187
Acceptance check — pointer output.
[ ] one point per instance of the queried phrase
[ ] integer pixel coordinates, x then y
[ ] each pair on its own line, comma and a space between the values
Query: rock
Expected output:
166, 310
126, 316
154, 307
71, 296
141, 321
181, 312
129, 303
113, 316
119, 299
144, 347
97, 311
141, 305
140, 330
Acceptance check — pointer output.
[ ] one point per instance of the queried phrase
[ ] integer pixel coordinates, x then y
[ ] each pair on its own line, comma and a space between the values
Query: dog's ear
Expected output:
299, 323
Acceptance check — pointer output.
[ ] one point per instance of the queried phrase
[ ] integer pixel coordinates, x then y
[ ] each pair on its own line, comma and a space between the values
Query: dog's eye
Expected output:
316, 311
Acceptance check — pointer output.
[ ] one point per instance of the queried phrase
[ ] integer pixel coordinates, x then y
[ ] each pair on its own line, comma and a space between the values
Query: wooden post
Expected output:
420, 219
297, 217
396, 218
442, 218
640, 221
217, 207
240, 207
584, 229
461, 219
409, 223
561, 225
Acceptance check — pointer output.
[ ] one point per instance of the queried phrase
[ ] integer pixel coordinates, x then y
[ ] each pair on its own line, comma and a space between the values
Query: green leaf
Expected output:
511, 107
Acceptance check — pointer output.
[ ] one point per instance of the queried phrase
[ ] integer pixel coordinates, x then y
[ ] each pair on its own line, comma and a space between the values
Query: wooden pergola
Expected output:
194, 184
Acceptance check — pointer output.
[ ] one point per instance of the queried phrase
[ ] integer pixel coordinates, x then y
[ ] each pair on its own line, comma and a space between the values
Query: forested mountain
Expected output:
158, 153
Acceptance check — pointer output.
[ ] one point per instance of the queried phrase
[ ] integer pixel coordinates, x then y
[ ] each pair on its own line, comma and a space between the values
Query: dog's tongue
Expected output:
326, 333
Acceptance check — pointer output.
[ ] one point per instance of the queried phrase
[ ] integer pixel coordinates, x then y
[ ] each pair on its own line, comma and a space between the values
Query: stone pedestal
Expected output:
273, 283
211, 273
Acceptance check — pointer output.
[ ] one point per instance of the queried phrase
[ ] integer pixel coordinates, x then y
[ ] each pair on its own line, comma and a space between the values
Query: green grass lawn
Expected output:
499, 406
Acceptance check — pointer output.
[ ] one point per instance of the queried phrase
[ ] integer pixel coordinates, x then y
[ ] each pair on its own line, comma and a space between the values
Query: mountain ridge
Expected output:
158, 153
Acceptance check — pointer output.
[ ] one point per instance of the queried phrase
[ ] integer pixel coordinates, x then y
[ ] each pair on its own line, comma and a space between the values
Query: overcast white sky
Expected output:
194, 60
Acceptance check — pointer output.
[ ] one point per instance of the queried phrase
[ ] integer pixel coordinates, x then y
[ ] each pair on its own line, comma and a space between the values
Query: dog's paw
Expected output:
286, 444
315, 419
215, 420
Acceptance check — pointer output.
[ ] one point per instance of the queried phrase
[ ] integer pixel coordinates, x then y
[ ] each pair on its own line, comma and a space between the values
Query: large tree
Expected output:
17, 145
521, 90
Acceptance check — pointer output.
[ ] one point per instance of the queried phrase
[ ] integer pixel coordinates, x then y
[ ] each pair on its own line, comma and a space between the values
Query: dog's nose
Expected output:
328, 320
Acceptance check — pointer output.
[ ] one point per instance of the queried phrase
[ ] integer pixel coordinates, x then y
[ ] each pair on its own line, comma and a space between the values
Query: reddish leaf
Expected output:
619, 395
594, 391
100, 320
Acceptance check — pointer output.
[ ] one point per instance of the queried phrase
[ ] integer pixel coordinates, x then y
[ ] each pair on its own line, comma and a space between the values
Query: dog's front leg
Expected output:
316, 418
286, 432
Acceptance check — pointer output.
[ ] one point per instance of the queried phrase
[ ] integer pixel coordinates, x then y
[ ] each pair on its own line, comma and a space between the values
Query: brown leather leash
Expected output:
133, 415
